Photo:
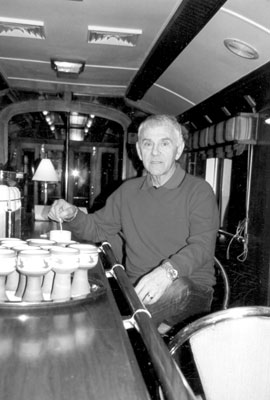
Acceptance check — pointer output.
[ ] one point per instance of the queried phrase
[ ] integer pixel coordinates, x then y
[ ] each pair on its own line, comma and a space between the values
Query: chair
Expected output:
222, 288
231, 352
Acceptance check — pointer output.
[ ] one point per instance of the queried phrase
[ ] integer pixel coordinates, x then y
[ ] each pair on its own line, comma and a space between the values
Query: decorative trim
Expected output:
113, 36
22, 28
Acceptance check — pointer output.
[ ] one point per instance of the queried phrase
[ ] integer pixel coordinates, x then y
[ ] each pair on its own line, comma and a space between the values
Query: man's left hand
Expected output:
152, 286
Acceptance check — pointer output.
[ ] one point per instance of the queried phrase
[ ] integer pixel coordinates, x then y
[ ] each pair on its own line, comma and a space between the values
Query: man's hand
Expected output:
152, 286
61, 210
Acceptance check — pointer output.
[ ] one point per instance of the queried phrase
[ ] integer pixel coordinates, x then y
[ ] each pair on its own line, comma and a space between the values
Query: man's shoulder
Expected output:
194, 179
197, 182
132, 183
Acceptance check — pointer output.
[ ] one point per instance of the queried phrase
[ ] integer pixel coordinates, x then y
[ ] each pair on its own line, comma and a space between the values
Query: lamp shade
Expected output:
45, 172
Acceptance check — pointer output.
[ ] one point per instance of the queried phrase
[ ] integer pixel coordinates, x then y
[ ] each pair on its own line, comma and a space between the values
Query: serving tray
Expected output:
97, 289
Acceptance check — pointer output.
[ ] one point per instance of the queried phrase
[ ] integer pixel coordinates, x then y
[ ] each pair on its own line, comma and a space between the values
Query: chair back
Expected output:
231, 351
222, 288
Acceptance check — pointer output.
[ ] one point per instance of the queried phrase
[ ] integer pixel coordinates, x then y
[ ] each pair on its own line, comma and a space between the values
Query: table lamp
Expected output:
45, 173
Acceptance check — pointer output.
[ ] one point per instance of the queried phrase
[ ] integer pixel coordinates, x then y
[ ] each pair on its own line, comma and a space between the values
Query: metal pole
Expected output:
173, 383
66, 158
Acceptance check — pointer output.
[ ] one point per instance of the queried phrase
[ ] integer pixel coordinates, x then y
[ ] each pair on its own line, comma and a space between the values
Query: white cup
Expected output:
60, 236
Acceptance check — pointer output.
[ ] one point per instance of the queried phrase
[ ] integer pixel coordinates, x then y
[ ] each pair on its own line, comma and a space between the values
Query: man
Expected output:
168, 220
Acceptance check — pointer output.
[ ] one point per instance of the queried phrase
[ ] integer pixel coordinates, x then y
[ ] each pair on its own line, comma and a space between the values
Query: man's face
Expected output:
158, 148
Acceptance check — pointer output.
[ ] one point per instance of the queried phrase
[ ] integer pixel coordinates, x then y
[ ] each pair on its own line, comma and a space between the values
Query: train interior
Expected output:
77, 77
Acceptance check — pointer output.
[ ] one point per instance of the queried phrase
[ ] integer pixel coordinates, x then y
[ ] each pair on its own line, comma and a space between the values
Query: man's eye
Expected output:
146, 144
165, 143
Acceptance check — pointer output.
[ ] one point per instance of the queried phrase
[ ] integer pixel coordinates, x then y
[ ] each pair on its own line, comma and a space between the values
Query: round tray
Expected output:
97, 289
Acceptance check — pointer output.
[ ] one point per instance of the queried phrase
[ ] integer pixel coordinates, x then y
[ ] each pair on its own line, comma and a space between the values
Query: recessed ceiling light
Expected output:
73, 68
241, 49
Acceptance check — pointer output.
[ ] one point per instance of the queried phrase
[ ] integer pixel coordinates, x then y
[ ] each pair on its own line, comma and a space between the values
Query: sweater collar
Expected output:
172, 183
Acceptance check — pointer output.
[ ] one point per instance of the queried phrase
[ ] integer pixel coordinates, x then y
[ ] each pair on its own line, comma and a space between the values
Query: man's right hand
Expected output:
61, 210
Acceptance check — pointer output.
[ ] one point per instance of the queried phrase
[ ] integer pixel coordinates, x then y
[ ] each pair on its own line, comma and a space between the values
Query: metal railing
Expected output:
173, 384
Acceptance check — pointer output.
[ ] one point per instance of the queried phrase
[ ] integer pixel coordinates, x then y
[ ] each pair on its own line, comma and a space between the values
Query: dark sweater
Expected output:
177, 221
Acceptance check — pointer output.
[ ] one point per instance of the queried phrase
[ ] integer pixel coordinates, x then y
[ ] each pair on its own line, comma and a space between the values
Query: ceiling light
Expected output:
76, 119
89, 123
64, 68
208, 119
226, 111
76, 134
241, 49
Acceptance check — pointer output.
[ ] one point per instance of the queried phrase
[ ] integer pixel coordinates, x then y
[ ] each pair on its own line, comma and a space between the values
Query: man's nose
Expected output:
155, 149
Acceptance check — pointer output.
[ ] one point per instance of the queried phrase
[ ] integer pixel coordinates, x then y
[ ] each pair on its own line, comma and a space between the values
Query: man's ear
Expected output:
138, 151
180, 149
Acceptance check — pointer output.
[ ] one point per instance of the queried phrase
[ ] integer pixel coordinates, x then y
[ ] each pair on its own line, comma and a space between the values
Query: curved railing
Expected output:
173, 383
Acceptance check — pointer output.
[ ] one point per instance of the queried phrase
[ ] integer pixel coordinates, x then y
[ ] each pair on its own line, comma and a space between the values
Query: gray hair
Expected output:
161, 120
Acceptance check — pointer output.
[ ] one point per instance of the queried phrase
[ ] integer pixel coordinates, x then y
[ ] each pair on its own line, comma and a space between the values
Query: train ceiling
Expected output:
203, 61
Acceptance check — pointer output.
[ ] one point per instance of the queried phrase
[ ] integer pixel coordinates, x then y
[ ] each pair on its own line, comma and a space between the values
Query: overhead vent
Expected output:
113, 36
22, 28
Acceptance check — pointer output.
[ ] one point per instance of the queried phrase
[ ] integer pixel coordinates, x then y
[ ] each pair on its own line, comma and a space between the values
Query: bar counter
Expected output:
74, 350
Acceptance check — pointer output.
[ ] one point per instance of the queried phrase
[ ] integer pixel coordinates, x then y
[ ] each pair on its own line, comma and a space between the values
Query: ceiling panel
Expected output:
203, 74
205, 67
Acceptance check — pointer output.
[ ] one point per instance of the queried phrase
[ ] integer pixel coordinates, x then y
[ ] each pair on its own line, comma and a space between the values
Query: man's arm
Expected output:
199, 250
96, 226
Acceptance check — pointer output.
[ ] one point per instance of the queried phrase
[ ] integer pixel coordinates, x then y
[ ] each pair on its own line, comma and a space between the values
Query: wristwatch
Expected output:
171, 272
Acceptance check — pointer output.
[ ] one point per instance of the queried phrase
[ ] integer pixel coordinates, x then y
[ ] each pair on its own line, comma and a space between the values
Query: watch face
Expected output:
171, 272
174, 274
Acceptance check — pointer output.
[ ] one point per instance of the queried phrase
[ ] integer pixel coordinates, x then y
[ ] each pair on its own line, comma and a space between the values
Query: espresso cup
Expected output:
60, 236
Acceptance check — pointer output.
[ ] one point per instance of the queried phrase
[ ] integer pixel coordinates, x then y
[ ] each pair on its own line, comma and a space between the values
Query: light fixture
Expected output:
77, 119
65, 68
113, 36
45, 173
226, 111
76, 134
75, 173
241, 49
89, 123
22, 28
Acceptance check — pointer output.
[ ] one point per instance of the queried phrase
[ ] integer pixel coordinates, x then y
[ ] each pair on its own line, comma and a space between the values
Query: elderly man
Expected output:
168, 220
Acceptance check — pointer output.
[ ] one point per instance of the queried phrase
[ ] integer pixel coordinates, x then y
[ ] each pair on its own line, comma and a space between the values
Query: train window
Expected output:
237, 205
228, 178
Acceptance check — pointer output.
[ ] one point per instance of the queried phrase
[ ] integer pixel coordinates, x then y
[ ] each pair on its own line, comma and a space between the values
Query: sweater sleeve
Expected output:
203, 217
100, 225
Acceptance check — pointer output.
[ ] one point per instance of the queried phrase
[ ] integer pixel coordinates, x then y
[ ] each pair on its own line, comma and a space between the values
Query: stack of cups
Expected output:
88, 259
8, 261
39, 269
64, 262
33, 265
